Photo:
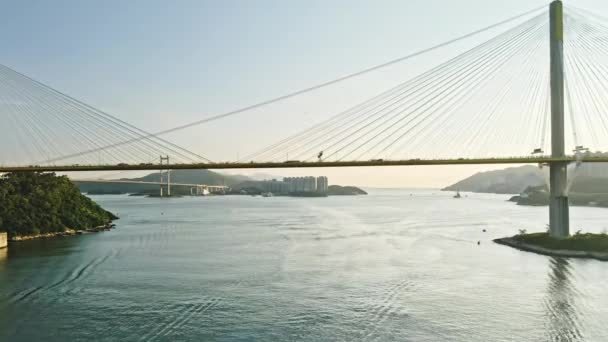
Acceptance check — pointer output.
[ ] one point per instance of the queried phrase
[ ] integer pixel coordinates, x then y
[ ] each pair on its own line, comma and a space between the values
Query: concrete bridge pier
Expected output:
559, 217
559, 211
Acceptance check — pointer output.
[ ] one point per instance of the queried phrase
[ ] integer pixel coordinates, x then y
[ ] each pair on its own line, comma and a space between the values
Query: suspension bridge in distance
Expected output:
198, 187
538, 86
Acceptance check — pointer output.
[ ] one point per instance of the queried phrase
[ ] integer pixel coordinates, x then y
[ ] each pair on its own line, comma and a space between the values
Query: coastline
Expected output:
526, 247
67, 232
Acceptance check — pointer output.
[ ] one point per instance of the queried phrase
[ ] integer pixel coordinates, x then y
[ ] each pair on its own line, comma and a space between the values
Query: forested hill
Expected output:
38, 203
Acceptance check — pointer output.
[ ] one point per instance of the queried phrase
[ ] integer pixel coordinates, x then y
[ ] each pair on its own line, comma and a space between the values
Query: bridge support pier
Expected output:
559, 217
559, 213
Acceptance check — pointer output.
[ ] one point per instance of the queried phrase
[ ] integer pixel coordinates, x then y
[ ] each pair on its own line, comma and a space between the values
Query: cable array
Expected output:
41, 125
114, 147
489, 100
585, 59
492, 100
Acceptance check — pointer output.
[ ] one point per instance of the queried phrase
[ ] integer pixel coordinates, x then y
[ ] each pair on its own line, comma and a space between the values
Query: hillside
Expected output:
337, 190
37, 203
508, 181
588, 178
195, 177
589, 184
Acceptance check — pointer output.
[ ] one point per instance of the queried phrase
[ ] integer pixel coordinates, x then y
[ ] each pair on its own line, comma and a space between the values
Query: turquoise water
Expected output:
397, 265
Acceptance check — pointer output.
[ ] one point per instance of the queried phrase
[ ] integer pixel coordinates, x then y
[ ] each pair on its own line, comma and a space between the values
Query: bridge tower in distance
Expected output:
559, 218
165, 161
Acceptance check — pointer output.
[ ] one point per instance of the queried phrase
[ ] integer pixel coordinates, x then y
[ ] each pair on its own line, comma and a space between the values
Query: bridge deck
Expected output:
300, 164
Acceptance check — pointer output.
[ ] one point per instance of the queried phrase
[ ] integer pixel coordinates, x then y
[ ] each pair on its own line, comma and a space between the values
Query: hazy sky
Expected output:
158, 64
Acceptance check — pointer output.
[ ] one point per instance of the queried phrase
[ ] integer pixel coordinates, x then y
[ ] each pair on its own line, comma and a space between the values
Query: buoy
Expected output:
478, 243
484, 230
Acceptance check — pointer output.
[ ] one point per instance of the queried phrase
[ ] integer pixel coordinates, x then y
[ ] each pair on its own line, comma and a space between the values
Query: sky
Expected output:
159, 64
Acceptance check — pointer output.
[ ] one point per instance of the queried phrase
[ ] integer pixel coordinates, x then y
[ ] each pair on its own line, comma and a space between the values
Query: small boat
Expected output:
457, 194
267, 194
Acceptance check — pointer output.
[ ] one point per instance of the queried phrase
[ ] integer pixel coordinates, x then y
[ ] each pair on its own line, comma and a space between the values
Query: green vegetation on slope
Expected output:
37, 203
579, 242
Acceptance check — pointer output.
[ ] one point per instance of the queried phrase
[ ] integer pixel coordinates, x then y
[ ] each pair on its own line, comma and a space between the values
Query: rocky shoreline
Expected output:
68, 232
511, 242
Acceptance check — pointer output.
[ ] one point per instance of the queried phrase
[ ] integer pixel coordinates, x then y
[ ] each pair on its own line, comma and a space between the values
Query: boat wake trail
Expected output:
74, 276
385, 308
194, 310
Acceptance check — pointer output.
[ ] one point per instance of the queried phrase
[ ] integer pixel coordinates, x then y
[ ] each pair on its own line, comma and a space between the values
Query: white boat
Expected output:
267, 194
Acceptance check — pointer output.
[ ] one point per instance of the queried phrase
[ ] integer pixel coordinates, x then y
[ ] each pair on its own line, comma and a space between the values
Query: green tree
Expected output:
36, 202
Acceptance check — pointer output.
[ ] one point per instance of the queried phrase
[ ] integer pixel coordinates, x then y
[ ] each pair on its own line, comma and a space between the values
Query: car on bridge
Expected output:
538, 151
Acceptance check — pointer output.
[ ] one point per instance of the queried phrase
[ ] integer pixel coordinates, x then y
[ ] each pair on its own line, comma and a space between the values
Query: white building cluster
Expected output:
296, 185
276, 187
322, 184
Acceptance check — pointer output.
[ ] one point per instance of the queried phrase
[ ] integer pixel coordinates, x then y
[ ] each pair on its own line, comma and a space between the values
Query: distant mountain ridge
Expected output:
195, 177
512, 180
587, 178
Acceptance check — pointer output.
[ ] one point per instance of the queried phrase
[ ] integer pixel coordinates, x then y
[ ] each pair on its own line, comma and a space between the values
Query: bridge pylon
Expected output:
559, 217
162, 178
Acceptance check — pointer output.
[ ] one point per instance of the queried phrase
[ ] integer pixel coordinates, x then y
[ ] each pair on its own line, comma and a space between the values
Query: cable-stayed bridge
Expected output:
534, 92
290, 164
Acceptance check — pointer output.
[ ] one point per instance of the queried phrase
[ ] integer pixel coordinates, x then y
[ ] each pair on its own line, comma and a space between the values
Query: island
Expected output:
37, 204
579, 245
296, 187
337, 190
